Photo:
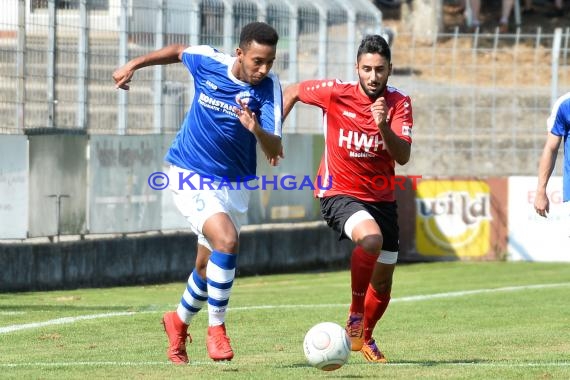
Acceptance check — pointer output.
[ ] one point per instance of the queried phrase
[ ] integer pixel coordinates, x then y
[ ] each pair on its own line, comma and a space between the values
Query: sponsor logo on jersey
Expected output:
244, 96
352, 115
211, 85
354, 140
360, 154
215, 104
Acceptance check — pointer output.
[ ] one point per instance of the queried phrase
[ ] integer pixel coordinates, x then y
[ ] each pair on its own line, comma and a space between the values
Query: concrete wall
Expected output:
164, 258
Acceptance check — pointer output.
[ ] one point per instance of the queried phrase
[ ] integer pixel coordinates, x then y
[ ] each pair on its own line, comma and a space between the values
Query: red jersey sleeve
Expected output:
316, 92
401, 119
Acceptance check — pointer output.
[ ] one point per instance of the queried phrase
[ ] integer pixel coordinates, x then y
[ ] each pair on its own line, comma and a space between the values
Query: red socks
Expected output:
361, 268
375, 306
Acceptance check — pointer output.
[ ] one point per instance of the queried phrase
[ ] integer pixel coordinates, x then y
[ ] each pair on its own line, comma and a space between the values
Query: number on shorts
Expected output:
200, 204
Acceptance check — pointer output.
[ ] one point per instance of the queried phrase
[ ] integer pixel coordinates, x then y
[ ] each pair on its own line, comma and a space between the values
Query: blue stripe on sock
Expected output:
223, 260
220, 285
215, 302
194, 295
188, 307
199, 281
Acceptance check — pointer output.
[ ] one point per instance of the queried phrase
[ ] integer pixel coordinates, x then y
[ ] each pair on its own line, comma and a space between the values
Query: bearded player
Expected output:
367, 127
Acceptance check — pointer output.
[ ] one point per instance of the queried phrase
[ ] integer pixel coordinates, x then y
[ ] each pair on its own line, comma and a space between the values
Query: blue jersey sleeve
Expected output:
559, 121
192, 56
272, 107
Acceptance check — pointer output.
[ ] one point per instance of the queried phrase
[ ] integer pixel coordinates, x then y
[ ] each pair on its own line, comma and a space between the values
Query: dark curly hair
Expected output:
374, 44
260, 32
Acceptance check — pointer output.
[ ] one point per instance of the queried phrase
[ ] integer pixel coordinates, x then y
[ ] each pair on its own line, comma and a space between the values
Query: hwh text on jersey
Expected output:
359, 140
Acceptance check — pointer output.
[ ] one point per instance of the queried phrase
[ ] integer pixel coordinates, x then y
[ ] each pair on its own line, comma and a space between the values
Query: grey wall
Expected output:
14, 187
102, 185
57, 169
164, 258
119, 198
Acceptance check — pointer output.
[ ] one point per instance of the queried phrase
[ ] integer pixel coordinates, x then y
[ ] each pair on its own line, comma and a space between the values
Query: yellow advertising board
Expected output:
453, 218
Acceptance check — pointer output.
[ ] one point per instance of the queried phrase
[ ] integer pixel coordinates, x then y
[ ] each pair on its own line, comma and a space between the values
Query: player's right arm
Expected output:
312, 92
290, 97
167, 55
557, 124
545, 168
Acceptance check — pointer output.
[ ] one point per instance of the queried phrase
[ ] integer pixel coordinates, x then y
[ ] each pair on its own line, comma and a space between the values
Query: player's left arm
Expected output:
395, 134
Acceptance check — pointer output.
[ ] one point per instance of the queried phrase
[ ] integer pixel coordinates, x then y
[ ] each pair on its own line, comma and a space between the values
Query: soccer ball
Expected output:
327, 346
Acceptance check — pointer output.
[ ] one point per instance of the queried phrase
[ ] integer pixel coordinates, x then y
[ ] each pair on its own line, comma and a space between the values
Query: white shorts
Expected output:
199, 202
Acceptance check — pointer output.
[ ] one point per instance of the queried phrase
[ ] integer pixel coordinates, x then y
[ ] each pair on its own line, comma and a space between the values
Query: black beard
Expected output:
372, 95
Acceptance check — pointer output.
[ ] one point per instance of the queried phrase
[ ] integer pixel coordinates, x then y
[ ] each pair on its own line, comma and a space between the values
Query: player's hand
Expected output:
246, 116
274, 161
122, 76
541, 204
379, 111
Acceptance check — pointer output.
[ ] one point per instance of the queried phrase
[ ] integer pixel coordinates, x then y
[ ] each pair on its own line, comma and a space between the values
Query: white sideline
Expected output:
425, 297
61, 321
217, 364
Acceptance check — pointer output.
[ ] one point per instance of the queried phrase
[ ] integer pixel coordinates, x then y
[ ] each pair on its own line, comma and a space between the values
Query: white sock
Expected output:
220, 274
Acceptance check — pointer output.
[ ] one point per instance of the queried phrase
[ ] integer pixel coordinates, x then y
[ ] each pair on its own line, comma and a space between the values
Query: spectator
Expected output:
472, 14
506, 11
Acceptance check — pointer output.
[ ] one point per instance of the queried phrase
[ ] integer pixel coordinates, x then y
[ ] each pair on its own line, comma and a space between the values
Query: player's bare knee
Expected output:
371, 243
226, 244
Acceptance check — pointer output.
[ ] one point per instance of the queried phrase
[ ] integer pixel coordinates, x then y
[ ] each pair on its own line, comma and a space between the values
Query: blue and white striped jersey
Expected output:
212, 141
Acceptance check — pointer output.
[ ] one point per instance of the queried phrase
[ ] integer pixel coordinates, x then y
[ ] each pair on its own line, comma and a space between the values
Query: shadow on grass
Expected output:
410, 363
330, 374
434, 363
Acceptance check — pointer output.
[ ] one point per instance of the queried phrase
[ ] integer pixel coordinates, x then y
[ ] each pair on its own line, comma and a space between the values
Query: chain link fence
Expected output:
57, 57
480, 100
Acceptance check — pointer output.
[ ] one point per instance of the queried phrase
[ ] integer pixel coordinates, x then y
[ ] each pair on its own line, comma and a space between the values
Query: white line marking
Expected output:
424, 297
485, 364
480, 291
211, 363
66, 320
107, 363
61, 321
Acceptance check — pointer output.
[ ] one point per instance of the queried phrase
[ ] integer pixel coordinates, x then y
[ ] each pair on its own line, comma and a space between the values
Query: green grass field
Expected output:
446, 321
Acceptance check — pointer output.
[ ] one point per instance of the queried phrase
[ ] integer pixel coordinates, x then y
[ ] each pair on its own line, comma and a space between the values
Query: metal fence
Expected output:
480, 100
57, 57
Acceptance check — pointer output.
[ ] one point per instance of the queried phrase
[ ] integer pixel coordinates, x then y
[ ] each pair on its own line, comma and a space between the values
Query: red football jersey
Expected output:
355, 162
